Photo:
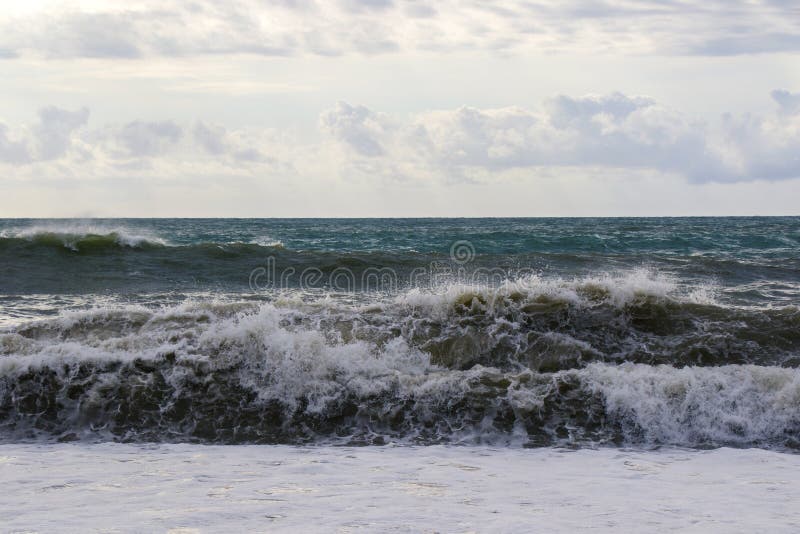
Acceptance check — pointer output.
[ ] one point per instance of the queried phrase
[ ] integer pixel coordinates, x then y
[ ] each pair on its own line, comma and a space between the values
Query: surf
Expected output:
296, 371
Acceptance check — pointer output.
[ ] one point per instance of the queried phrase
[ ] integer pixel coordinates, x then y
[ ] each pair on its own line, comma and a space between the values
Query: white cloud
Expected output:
61, 146
281, 28
48, 139
611, 131
357, 127
594, 134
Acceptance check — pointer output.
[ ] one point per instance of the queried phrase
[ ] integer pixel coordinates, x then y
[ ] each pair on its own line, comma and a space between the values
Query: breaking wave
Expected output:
92, 238
80, 238
625, 360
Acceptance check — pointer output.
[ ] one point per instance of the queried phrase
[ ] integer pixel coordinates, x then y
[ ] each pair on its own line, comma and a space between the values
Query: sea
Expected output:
323, 368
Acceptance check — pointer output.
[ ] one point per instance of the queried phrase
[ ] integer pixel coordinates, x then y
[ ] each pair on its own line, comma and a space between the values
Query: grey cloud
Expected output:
302, 5
215, 140
92, 35
55, 128
564, 110
503, 139
249, 155
610, 131
614, 131
788, 103
767, 149
142, 139
210, 138
14, 152
420, 10
286, 27
356, 126
49, 139
60, 136
757, 43
367, 5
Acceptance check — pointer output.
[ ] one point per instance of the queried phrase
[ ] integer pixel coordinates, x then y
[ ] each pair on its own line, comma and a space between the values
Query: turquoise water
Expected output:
755, 259
680, 331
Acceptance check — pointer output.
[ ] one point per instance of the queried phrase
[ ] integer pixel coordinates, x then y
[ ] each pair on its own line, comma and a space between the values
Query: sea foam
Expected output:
248, 372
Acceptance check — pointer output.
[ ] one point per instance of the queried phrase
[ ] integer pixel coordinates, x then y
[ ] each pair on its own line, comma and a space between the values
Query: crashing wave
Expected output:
80, 238
299, 371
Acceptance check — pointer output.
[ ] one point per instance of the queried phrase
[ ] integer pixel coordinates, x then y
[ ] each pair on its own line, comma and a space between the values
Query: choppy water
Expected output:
503, 331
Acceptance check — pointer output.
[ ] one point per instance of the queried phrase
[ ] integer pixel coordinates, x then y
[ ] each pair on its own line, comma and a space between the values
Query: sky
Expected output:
399, 108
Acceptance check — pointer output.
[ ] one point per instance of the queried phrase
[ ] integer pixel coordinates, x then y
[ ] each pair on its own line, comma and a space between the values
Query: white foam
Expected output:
194, 488
266, 241
71, 233
733, 404
617, 288
305, 362
287, 361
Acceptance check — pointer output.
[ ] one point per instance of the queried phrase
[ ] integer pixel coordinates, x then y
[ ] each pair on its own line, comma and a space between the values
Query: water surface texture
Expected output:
507, 332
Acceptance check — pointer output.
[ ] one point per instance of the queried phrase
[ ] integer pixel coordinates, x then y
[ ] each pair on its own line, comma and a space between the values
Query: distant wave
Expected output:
88, 238
267, 242
81, 238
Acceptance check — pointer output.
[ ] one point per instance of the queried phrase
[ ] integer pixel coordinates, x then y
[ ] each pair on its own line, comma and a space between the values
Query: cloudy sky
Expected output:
399, 108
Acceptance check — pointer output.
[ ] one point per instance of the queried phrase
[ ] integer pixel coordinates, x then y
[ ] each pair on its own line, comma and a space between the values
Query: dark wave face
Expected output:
504, 331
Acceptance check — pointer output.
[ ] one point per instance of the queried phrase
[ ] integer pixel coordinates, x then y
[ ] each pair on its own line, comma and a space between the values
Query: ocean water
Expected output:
186, 488
442, 375
577, 333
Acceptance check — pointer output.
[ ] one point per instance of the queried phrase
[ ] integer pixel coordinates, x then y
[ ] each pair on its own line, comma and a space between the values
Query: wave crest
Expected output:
618, 289
245, 372
83, 238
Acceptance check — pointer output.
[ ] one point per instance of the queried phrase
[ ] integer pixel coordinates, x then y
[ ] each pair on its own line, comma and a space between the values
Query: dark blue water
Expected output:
682, 331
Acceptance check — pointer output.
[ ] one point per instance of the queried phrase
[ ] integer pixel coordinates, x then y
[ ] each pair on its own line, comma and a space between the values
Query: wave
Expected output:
267, 242
617, 289
93, 238
126, 259
420, 368
545, 324
81, 238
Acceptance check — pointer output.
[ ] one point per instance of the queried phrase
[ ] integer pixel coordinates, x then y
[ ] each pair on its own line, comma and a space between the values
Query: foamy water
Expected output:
505, 375
334, 372
191, 488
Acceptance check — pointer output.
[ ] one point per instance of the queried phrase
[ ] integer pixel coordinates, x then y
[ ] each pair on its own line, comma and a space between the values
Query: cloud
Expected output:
12, 150
55, 129
283, 28
61, 145
592, 135
210, 138
234, 147
357, 127
366, 5
141, 139
93, 35
49, 139
249, 154
788, 103
747, 44
605, 131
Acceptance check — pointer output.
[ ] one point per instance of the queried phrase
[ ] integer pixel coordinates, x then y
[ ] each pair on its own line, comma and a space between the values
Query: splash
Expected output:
311, 371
